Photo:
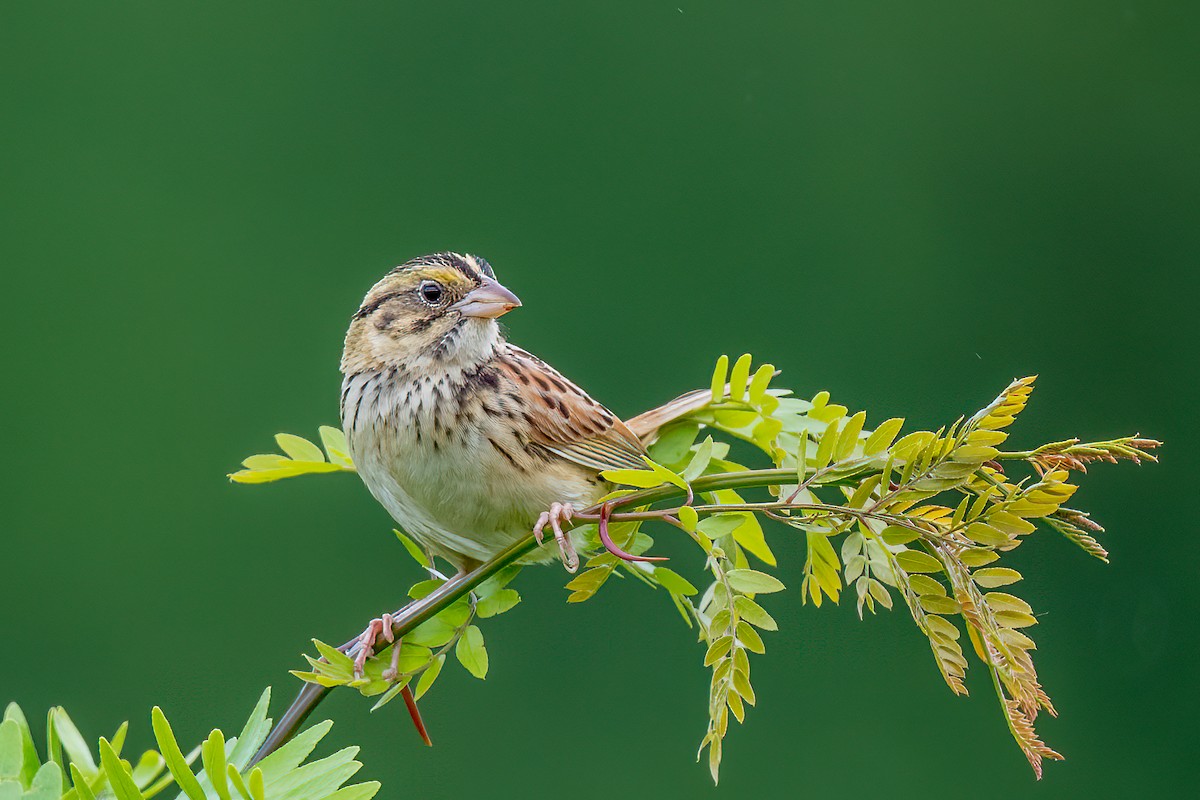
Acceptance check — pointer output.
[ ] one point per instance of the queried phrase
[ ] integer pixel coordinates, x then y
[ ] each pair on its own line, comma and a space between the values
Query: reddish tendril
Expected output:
610, 545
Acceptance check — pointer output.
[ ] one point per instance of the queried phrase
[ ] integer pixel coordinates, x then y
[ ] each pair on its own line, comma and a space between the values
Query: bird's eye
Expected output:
432, 292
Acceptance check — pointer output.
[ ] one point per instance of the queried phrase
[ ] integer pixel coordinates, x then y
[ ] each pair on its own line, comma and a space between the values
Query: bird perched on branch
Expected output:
468, 441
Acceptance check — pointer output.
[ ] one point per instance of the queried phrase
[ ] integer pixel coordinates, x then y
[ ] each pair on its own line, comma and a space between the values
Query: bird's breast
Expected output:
450, 461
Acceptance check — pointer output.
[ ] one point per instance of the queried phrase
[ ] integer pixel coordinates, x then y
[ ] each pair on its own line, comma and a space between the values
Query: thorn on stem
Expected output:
415, 713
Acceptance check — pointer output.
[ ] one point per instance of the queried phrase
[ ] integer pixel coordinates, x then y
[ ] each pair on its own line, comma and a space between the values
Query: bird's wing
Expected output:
564, 420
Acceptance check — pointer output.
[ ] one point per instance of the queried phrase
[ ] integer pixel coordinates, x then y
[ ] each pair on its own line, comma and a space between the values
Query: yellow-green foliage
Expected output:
72, 772
924, 517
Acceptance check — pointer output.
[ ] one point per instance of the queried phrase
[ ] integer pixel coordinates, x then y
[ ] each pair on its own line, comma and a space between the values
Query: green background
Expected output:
907, 204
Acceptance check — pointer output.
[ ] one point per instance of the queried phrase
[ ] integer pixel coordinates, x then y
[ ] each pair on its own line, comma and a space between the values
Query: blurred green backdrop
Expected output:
931, 198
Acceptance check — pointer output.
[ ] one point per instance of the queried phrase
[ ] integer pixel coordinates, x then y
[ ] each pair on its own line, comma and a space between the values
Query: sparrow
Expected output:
468, 441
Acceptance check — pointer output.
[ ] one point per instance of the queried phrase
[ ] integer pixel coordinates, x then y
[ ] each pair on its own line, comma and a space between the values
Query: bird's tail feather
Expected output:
647, 424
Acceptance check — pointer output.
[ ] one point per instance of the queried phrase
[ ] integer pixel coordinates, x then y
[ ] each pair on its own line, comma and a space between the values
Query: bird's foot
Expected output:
382, 626
558, 514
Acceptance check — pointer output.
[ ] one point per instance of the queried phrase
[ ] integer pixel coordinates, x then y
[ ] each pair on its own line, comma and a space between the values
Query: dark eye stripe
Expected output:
368, 309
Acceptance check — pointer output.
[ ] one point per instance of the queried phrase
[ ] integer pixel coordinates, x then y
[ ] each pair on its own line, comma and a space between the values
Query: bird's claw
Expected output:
555, 517
381, 626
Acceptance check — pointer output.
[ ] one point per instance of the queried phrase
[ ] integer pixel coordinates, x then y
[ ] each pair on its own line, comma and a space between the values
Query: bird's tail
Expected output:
647, 424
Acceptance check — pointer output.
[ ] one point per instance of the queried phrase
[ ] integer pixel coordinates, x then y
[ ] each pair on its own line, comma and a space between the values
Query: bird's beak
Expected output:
488, 301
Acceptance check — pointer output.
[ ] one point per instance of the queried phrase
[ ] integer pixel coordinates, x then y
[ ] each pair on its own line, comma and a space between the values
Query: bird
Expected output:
468, 441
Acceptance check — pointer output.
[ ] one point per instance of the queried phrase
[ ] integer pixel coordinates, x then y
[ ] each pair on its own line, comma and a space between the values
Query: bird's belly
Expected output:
468, 497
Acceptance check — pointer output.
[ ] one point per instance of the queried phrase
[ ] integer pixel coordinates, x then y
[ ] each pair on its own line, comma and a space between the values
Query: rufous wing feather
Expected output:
565, 420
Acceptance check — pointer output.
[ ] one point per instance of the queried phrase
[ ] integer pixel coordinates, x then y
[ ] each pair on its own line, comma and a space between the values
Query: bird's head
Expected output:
437, 309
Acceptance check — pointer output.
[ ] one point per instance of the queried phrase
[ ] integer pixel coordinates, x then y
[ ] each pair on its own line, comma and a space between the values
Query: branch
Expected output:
418, 611
925, 514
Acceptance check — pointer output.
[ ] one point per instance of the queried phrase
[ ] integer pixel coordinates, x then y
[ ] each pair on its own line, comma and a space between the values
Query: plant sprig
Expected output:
925, 516
72, 772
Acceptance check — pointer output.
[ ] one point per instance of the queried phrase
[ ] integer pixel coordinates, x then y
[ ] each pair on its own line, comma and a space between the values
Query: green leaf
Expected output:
236, 779
741, 684
118, 740
1010, 523
425, 682
257, 789
424, 588
148, 768
880, 593
498, 581
1001, 601
883, 436
718, 379
253, 734
700, 460
80, 783
73, 742
433, 632
751, 581
738, 378
736, 420
762, 379
336, 658
176, 763
826, 446
749, 535
674, 442
985, 438
986, 535
30, 755
750, 638
47, 783
719, 525
277, 765
471, 652
939, 604
668, 476
54, 753
641, 478
674, 582
896, 535
118, 776
923, 584
976, 557
334, 442
359, 791
994, 577
414, 550
848, 438
12, 752
265, 461
1015, 619
718, 650
497, 603
299, 448
916, 561
912, 445
689, 518
802, 459
753, 613
212, 756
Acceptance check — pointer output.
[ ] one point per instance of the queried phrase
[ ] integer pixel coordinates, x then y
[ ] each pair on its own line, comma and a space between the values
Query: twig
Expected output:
418, 611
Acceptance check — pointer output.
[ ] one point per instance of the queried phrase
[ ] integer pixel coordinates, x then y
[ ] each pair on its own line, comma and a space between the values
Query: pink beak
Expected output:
488, 301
